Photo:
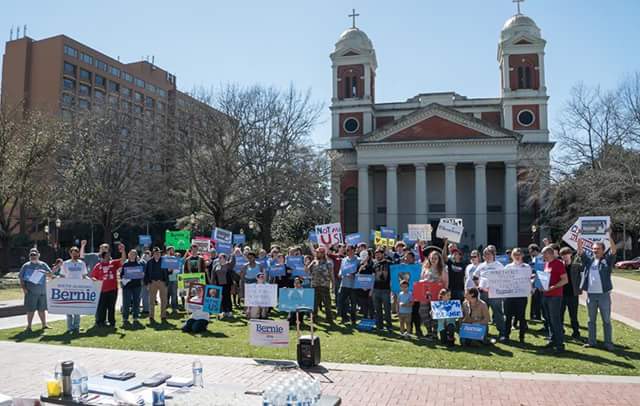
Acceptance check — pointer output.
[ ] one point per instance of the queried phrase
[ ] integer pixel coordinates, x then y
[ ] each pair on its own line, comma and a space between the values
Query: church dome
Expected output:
354, 38
520, 24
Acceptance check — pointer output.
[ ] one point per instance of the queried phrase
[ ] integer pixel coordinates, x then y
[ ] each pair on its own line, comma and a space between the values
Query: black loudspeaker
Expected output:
308, 351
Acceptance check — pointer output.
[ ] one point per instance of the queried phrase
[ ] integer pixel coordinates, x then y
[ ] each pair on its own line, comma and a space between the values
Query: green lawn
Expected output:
628, 273
11, 294
347, 345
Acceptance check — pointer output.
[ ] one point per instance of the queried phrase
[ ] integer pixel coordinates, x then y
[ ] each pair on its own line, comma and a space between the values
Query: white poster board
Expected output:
269, 333
329, 234
589, 229
511, 281
261, 295
73, 296
420, 232
450, 231
204, 245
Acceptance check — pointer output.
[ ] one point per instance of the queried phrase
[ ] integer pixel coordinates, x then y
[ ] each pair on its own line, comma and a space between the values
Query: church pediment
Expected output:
437, 122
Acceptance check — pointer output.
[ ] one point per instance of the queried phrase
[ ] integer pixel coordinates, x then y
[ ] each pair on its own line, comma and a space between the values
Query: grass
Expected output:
11, 294
628, 273
347, 345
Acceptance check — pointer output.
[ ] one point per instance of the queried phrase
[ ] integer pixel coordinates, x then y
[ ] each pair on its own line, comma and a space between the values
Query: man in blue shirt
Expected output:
33, 281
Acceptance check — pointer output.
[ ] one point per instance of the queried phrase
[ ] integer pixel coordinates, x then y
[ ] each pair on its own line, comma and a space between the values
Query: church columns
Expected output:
510, 205
480, 176
392, 196
363, 200
450, 189
421, 194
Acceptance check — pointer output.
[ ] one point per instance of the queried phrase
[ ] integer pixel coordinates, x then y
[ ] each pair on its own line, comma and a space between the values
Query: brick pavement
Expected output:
21, 367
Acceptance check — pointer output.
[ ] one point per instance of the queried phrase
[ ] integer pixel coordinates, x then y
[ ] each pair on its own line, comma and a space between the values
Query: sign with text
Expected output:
364, 281
133, 272
452, 232
425, 292
388, 232
446, 309
180, 240
329, 234
269, 333
144, 240
222, 235
408, 272
544, 278
203, 244
313, 237
473, 331
212, 299
73, 296
291, 299
169, 262
223, 248
184, 279
239, 239
277, 270
420, 232
240, 262
512, 281
348, 266
260, 295
354, 239
590, 230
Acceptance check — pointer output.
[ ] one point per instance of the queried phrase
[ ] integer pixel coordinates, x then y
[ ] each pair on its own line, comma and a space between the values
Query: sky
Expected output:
422, 45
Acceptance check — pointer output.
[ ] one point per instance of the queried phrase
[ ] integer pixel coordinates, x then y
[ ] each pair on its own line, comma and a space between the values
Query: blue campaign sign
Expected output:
212, 299
295, 261
446, 309
240, 261
168, 262
538, 264
223, 248
133, 272
503, 259
407, 240
348, 266
144, 240
353, 239
388, 232
222, 235
277, 270
289, 300
408, 272
364, 281
239, 239
313, 237
474, 331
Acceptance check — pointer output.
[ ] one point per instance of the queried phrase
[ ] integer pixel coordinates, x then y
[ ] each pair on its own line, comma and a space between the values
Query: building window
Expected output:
137, 97
67, 99
71, 51
101, 65
160, 106
114, 87
351, 125
148, 114
114, 71
526, 118
137, 109
84, 104
148, 101
126, 92
139, 82
151, 88
88, 59
113, 100
84, 90
162, 92
127, 77
69, 69
68, 84
524, 77
126, 106
85, 75
67, 115
101, 81
99, 95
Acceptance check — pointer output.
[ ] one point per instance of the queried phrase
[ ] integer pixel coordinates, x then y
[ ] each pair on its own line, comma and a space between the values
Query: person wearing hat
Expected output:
33, 281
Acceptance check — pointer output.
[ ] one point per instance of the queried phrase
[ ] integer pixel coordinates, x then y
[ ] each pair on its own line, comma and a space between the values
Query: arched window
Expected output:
350, 210
524, 77
354, 87
347, 86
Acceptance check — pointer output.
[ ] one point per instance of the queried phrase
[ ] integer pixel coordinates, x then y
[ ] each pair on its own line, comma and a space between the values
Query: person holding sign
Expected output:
107, 271
552, 300
596, 281
382, 290
33, 281
433, 270
490, 265
515, 307
347, 294
156, 279
475, 311
131, 277
322, 278
222, 274
571, 291
73, 268
364, 295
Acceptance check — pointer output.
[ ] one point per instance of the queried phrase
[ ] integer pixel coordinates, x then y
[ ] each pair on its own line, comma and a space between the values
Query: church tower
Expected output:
523, 87
353, 75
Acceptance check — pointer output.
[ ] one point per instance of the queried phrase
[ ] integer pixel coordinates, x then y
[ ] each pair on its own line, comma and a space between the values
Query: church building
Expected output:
441, 154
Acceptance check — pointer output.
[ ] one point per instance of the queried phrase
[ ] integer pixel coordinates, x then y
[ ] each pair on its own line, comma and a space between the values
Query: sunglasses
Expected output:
33, 254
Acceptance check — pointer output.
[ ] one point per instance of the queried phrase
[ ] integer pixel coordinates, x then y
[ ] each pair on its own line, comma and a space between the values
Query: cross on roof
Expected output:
353, 15
518, 3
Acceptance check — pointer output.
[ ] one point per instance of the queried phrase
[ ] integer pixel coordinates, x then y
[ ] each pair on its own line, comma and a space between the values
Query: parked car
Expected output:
630, 264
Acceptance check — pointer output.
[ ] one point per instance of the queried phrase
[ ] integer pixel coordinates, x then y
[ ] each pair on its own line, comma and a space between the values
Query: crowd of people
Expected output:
332, 273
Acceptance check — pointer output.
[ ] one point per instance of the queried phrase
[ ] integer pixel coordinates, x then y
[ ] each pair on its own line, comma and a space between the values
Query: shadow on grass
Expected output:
581, 356
26, 335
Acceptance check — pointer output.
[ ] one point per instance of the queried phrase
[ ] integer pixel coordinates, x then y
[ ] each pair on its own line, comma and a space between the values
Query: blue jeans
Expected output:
497, 315
131, 300
73, 322
173, 295
553, 308
347, 300
144, 296
602, 302
382, 297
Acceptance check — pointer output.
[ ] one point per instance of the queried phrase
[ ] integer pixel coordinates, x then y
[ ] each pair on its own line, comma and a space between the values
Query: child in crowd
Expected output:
405, 305
446, 327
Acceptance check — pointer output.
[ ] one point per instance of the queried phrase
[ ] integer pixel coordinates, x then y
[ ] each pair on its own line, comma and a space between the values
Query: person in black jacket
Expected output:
157, 280
571, 291
222, 274
382, 290
131, 276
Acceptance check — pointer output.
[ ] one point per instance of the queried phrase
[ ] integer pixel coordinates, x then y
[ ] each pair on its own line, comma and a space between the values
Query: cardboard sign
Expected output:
408, 272
269, 333
203, 244
364, 281
277, 270
388, 232
329, 234
212, 299
73, 296
473, 331
184, 279
169, 262
512, 281
354, 239
224, 248
144, 240
348, 267
180, 240
425, 292
260, 295
379, 241
544, 278
222, 235
451, 232
590, 230
446, 309
240, 262
420, 232
133, 272
290, 300
239, 239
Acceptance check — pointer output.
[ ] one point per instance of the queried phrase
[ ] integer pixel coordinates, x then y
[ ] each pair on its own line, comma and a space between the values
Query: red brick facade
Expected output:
381, 121
344, 117
530, 61
535, 109
435, 128
346, 74
493, 117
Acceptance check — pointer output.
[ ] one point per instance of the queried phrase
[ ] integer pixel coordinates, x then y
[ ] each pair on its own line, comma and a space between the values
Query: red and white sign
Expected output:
329, 234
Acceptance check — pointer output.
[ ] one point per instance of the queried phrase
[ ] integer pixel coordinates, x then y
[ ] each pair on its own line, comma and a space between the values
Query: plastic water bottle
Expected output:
57, 371
76, 384
197, 374
84, 385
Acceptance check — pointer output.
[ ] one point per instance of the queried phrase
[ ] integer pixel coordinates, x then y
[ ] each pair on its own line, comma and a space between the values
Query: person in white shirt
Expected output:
514, 307
471, 269
490, 265
73, 268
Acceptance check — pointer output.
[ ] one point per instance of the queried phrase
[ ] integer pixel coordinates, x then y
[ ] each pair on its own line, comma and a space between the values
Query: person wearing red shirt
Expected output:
107, 271
552, 300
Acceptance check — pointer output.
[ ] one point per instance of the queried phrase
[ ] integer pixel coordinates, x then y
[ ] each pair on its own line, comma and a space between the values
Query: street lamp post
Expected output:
58, 225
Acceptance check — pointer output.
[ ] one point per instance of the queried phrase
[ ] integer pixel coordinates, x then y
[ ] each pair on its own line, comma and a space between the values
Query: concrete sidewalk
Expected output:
355, 384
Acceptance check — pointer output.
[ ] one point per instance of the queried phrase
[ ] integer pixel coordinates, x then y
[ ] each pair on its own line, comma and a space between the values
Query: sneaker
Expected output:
28, 329
609, 347
503, 339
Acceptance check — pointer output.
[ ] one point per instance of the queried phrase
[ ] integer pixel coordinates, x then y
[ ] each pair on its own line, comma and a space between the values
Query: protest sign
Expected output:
407, 240
544, 278
203, 244
223, 248
239, 239
144, 240
195, 297
221, 235
180, 239
348, 267
313, 237
364, 281
295, 262
133, 272
379, 241
452, 220
354, 239
469, 331
513, 281
408, 272
184, 279
420, 232
260, 295
169, 262
290, 299
424, 291
446, 309
329, 234
276, 270
269, 333
73, 296
212, 299
240, 262
388, 232
452, 232
590, 230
